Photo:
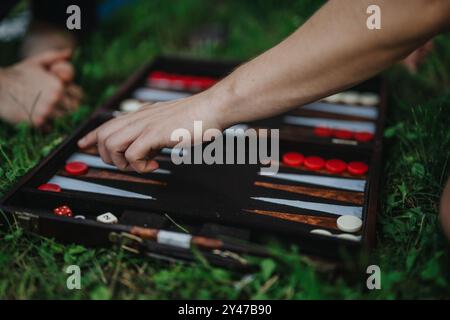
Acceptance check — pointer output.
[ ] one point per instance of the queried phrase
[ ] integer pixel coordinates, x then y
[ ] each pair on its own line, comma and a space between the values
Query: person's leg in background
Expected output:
445, 209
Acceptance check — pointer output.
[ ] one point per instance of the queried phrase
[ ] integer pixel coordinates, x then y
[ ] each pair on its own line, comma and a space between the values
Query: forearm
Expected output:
331, 51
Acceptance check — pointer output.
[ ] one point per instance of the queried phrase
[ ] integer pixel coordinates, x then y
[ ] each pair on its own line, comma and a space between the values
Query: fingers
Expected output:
75, 91
130, 141
89, 140
117, 143
69, 101
98, 137
140, 153
63, 70
47, 58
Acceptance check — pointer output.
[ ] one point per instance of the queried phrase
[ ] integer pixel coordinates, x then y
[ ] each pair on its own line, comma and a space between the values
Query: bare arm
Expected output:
331, 51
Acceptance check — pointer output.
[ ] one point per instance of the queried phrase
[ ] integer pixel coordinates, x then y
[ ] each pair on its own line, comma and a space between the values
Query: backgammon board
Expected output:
323, 198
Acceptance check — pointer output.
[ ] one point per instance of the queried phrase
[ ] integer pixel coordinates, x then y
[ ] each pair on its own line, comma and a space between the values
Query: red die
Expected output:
63, 211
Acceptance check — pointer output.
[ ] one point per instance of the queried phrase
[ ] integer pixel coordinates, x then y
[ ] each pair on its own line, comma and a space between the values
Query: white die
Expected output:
107, 217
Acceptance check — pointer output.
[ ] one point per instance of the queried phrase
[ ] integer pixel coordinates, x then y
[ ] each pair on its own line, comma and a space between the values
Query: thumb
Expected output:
49, 57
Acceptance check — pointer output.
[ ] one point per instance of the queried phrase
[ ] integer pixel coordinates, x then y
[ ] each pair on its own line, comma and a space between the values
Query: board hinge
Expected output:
27, 221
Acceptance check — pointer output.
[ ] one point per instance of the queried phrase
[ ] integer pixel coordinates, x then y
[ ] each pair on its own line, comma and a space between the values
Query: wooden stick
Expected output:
345, 196
323, 222
108, 175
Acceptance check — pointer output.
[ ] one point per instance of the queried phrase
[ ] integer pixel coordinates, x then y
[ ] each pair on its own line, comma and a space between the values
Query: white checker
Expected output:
350, 97
347, 236
349, 223
335, 98
369, 99
80, 217
321, 232
130, 105
107, 217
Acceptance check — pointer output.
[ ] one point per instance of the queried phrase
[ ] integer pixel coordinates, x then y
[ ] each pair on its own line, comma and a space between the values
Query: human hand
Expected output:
38, 89
130, 141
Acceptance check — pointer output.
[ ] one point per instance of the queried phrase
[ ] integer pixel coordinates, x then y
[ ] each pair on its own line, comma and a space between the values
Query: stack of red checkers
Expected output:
63, 211
324, 132
363, 136
76, 168
49, 187
314, 163
343, 134
159, 79
293, 159
336, 166
357, 168
164, 80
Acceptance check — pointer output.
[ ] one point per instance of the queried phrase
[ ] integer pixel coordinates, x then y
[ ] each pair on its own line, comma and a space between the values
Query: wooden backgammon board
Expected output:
323, 198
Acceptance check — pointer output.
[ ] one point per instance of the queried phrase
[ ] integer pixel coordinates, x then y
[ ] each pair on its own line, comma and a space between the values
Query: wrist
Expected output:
226, 104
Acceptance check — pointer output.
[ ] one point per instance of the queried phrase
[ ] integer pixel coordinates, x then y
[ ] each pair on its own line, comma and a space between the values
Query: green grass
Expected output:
412, 252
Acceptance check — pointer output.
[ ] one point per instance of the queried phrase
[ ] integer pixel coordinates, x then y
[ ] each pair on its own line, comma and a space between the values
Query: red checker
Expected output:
357, 168
76, 168
364, 136
324, 132
206, 83
179, 82
194, 83
293, 159
158, 75
49, 187
314, 163
336, 166
343, 134
63, 211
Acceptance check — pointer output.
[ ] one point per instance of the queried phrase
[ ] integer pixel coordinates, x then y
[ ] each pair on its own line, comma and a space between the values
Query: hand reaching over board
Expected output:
131, 141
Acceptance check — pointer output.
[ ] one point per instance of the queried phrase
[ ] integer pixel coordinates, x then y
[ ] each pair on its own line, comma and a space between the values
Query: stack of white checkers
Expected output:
354, 97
